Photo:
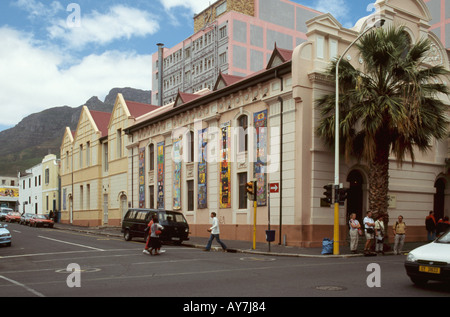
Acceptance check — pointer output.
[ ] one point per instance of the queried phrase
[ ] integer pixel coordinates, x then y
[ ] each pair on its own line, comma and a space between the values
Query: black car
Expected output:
176, 228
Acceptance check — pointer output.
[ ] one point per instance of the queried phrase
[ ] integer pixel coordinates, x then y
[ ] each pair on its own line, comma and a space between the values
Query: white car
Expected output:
430, 261
5, 236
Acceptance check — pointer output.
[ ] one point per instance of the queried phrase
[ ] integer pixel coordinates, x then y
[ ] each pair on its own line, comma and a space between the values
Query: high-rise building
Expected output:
234, 37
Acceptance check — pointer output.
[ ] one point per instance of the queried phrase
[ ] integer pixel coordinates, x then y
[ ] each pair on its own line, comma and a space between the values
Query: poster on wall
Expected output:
142, 177
160, 163
177, 174
225, 170
260, 125
202, 143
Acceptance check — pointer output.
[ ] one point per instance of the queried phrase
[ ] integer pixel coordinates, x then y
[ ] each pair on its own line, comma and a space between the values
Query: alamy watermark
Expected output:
74, 18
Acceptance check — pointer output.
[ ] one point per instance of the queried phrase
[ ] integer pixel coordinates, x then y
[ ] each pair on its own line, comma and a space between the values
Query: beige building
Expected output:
94, 165
194, 154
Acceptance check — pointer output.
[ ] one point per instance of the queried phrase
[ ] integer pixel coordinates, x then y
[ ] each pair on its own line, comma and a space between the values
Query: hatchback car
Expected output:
430, 261
13, 216
176, 228
5, 236
41, 221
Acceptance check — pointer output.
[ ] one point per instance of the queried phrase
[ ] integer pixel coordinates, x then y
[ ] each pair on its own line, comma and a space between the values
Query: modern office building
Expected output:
230, 36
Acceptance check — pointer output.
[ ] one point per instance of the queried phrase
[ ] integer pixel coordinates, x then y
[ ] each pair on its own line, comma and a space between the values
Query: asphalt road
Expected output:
57, 263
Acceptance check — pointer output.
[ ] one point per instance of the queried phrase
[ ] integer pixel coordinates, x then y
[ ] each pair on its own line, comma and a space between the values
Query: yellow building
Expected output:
50, 184
94, 166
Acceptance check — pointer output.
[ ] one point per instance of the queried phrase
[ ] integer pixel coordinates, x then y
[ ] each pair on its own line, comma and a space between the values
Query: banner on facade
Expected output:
202, 186
177, 174
225, 170
260, 164
160, 162
142, 177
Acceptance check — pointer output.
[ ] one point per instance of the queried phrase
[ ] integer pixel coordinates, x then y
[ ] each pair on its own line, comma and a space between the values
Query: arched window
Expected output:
243, 133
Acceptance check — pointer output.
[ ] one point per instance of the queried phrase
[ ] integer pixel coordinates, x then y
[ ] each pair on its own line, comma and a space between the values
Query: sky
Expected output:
62, 52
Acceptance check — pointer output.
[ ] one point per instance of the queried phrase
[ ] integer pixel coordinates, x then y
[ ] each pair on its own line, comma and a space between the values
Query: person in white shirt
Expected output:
214, 233
369, 225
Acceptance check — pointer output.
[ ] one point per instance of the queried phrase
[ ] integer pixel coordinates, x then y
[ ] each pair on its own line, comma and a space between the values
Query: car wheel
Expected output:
127, 236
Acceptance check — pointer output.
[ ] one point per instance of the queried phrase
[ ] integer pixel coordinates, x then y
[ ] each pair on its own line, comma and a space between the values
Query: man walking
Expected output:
214, 233
399, 234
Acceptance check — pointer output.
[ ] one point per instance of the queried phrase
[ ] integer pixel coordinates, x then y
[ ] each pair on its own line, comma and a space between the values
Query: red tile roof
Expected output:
138, 109
101, 119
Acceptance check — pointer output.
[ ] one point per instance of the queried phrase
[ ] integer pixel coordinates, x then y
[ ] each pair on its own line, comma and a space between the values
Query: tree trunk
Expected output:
379, 182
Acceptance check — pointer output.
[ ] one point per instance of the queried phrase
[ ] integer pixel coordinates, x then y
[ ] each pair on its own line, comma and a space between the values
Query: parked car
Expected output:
430, 261
25, 218
176, 228
41, 221
4, 212
13, 216
5, 236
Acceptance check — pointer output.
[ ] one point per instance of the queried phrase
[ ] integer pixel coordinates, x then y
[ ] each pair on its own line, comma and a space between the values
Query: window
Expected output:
47, 176
221, 8
190, 188
223, 58
81, 156
105, 157
88, 153
223, 32
152, 157
119, 143
243, 133
242, 177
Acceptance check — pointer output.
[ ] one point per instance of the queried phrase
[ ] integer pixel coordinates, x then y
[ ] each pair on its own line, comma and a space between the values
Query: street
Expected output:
50, 262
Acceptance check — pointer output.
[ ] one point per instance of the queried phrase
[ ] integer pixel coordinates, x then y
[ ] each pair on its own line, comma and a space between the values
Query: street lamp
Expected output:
378, 23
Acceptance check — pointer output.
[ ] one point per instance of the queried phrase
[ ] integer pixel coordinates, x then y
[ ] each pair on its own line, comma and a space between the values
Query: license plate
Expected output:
175, 238
429, 269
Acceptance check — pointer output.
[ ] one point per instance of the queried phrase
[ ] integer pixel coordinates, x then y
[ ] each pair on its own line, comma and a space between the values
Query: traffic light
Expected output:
328, 193
251, 189
343, 193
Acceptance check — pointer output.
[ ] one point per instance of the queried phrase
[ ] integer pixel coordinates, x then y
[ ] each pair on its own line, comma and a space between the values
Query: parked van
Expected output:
176, 228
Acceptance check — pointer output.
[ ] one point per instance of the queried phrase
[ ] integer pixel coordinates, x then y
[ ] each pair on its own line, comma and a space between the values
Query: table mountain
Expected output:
39, 134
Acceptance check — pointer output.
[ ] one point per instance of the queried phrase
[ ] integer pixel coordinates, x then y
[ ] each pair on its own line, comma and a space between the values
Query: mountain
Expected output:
39, 134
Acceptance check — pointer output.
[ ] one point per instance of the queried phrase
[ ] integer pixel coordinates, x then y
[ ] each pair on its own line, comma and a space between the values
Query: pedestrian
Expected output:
214, 233
399, 229
148, 230
379, 234
155, 231
442, 226
369, 232
430, 225
355, 231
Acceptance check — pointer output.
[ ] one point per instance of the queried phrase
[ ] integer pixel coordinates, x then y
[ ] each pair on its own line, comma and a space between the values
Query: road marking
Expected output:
22, 285
71, 243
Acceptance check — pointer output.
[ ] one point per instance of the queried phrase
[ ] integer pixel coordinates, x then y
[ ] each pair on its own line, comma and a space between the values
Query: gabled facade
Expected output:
94, 165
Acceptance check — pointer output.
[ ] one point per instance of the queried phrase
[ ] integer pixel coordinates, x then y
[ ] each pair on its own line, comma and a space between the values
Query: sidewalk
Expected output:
240, 246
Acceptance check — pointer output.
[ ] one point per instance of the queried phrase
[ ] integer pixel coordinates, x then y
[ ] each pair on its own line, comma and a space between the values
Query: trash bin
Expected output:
327, 246
270, 235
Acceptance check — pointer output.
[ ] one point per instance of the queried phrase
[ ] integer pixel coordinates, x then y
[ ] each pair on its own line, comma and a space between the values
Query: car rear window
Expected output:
173, 217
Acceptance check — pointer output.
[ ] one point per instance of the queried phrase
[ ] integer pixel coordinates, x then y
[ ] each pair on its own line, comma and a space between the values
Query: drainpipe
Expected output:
160, 73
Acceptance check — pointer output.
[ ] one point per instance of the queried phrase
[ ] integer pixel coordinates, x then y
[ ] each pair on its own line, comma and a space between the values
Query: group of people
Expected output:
375, 231
435, 228
154, 243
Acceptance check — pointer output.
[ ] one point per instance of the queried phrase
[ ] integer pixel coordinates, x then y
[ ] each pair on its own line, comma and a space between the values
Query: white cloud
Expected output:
338, 8
119, 23
196, 6
39, 9
32, 79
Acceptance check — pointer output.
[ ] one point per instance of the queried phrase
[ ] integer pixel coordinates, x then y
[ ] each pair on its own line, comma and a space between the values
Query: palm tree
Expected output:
393, 105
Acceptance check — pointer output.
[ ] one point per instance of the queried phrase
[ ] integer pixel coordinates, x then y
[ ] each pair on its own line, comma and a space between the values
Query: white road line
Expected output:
79, 245
22, 285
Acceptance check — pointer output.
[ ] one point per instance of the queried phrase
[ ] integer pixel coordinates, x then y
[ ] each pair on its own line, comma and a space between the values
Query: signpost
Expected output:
273, 188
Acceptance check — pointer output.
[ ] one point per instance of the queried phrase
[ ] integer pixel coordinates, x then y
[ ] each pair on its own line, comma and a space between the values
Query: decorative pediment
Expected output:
183, 97
224, 80
279, 56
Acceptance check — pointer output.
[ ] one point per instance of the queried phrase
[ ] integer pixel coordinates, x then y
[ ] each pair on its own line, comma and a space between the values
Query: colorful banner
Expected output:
225, 170
260, 125
160, 163
202, 143
177, 174
142, 177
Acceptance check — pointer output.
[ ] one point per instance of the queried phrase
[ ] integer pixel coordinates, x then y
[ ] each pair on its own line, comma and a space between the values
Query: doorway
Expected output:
355, 195
439, 199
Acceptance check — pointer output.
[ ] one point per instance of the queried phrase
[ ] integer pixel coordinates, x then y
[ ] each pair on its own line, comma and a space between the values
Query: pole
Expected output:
268, 208
378, 23
254, 224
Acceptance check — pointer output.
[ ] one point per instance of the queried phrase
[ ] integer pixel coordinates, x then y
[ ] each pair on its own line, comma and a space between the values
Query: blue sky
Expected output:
62, 52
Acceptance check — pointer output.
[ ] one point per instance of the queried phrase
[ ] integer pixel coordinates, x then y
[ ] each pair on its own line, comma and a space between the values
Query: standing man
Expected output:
430, 224
214, 233
369, 225
399, 234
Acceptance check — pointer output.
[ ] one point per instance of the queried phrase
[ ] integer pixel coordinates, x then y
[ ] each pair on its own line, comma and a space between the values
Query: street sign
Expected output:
274, 187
